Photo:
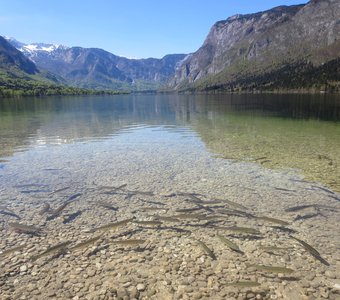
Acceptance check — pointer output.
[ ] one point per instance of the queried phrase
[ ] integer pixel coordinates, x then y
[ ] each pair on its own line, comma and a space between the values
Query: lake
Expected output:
177, 170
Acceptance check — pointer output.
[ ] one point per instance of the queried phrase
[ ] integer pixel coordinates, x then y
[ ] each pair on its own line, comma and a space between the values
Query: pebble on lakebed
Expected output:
148, 248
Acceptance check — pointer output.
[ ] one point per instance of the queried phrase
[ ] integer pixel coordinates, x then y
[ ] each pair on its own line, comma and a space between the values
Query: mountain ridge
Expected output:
287, 47
242, 50
98, 68
12, 61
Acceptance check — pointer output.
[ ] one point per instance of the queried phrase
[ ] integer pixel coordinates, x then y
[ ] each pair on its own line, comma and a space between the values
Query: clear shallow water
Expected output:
300, 132
266, 153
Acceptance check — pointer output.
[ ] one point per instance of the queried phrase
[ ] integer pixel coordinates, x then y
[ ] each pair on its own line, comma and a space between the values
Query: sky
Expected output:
130, 28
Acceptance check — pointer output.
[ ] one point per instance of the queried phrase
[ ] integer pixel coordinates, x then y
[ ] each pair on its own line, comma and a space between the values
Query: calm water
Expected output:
299, 132
258, 155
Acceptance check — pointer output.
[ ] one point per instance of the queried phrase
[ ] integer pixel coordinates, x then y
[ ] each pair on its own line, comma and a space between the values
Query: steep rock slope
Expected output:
248, 51
91, 68
13, 61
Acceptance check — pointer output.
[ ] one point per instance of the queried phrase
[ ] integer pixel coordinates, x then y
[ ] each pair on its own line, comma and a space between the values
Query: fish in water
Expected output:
311, 250
9, 213
112, 188
151, 202
211, 217
34, 191
207, 208
232, 203
300, 207
85, 243
307, 216
240, 229
205, 202
206, 249
187, 210
284, 229
58, 211
334, 197
107, 205
284, 190
2, 207
230, 244
323, 189
30, 185
273, 220
148, 223
52, 249
243, 284
272, 269
73, 197
131, 242
25, 228
142, 193
9, 251
260, 158
153, 209
71, 217
274, 248
113, 225
192, 196
46, 208
235, 212
189, 216
171, 228
60, 190
167, 219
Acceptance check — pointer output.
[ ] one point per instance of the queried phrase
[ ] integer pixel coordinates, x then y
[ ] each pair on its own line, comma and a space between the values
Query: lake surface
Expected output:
264, 153
300, 132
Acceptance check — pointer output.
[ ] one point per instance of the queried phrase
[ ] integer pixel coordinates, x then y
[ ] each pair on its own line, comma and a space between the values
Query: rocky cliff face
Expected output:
97, 68
91, 68
150, 69
245, 47
13, 61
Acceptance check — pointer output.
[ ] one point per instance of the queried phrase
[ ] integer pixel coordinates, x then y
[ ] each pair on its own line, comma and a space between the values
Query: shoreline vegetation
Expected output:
21, 87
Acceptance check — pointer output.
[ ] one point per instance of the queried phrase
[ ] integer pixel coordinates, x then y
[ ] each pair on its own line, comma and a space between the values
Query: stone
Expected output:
23, 268
121, 293
140, 287
133, 293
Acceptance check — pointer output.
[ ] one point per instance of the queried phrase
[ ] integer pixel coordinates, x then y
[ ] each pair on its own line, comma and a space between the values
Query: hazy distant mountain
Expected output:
285, 47
97, 68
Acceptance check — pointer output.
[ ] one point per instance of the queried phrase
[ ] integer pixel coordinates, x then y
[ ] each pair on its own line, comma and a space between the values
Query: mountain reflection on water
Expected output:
276, 131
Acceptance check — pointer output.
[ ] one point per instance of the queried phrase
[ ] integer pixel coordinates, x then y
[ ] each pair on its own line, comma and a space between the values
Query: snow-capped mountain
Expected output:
32, 50
97, 68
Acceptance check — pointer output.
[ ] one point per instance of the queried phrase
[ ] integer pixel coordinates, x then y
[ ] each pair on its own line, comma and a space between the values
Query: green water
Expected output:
308, 140
299, 132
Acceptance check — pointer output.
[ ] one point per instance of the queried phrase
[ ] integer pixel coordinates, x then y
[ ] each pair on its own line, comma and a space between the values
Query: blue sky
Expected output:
131, 28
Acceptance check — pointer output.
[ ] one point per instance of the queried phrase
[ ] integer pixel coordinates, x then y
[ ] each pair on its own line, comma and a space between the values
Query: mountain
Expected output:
13, 61
19, 76
32, 50
287, 47
97, 68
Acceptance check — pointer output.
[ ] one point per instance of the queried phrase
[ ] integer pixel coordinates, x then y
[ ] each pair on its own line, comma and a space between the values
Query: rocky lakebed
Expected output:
139, 238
